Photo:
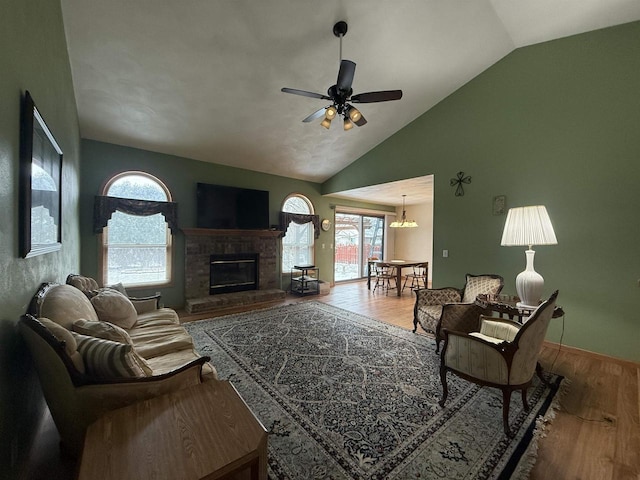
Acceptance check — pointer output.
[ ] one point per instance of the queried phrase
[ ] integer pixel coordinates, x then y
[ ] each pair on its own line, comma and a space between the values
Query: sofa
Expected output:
97, 349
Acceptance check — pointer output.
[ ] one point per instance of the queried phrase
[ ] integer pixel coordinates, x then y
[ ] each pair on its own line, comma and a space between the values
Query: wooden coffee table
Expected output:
202, 432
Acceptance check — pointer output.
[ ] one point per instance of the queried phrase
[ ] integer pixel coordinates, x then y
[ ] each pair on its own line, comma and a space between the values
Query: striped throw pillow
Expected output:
108, 360
99, 329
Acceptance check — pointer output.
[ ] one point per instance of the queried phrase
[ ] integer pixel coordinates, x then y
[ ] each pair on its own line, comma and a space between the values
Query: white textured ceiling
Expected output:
418, 190
201, 78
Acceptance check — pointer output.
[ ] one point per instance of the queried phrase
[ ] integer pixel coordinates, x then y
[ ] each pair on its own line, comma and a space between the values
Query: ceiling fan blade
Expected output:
345, 75
373, 97
304, 93
315, 115
361, 121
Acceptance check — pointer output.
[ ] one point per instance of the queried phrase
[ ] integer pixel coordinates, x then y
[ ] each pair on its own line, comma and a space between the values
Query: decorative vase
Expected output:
529, 284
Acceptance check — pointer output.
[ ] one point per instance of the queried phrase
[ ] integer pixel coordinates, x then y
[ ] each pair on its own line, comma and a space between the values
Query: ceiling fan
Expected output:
340, 94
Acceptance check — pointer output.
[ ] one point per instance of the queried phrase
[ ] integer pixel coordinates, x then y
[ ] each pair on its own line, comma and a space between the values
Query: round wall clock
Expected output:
326, 224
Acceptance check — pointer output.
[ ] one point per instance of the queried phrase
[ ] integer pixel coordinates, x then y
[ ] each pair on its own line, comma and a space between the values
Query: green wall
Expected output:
33, 56
102, 160
555, 124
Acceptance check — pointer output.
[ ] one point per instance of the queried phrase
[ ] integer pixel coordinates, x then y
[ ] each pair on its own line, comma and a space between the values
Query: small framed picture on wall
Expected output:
499, 205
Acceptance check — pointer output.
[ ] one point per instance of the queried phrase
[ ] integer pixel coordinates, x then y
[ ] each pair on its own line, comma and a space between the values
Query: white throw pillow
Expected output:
120, 288
113, 307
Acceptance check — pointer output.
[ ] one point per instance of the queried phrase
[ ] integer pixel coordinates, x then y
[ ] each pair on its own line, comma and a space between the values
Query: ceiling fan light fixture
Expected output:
354, 114
348, 124
340, 94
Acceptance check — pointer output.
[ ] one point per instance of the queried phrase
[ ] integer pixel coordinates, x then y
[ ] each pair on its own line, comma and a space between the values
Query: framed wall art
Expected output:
499, 205
40, 185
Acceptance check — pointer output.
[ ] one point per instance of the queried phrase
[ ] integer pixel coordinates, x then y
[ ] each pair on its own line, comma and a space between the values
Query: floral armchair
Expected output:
503, 354
453, 308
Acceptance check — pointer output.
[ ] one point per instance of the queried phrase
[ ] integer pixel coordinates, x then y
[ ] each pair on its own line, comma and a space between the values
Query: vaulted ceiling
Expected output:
201, 78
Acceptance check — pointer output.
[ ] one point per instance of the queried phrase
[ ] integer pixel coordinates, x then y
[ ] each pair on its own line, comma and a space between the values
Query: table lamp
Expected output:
528, 226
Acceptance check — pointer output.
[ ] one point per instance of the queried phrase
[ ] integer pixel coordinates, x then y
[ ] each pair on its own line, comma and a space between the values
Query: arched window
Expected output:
136, 249
297, 244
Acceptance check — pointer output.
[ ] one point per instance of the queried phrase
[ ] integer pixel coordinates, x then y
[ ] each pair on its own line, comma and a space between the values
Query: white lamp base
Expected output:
529, 284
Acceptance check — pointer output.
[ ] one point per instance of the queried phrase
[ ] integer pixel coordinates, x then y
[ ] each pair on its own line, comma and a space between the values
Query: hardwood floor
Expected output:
596, 432
352, 296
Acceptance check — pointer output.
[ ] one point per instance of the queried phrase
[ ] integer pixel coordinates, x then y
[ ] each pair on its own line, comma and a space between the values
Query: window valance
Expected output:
300, 218
104, 207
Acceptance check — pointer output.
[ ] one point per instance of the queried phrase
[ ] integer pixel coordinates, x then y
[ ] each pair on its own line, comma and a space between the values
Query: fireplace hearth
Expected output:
236, 272
202, 243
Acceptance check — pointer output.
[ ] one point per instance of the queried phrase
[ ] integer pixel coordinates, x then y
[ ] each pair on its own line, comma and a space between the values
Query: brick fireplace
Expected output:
202, 243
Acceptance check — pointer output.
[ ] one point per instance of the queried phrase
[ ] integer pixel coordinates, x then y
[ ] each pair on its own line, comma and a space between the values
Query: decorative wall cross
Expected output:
458, 181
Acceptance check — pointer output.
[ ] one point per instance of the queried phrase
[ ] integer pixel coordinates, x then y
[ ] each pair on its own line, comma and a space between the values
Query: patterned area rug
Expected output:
347, 397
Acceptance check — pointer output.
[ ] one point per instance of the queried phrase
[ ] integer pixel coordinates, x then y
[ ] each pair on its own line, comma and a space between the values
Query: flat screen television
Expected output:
223, 207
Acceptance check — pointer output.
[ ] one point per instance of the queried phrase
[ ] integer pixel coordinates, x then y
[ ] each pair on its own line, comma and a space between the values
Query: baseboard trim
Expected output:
589, 353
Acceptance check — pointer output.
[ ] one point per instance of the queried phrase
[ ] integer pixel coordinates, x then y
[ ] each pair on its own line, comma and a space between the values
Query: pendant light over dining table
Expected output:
403, 223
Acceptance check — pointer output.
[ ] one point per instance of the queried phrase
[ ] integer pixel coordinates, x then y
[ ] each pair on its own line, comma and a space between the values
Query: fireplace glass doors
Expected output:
233, 273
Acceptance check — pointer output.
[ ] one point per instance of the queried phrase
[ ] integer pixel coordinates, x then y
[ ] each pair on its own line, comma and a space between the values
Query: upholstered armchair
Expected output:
503, 354
453, 308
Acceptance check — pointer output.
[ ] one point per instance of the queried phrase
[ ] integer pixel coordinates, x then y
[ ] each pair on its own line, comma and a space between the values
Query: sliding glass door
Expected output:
358, 237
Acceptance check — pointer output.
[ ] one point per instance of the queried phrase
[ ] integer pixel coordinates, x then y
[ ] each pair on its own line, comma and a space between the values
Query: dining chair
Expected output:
384, 276
418, 277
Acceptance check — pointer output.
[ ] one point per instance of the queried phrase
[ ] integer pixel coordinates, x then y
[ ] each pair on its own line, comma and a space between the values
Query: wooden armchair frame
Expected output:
506, 351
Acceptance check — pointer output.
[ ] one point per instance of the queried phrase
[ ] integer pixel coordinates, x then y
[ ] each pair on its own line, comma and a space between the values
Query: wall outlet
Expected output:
445, 253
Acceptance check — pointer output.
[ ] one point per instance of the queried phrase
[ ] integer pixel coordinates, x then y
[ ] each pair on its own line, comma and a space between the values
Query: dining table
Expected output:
398, 264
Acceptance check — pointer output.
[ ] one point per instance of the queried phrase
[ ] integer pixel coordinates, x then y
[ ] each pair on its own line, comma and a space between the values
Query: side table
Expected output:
201, 432
305, 280
505, 307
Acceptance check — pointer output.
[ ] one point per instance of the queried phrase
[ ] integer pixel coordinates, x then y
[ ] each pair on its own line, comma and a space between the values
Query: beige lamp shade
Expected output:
528, 226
